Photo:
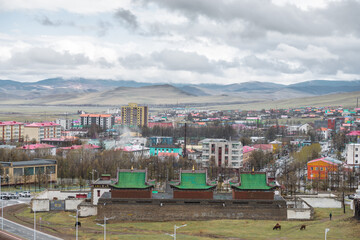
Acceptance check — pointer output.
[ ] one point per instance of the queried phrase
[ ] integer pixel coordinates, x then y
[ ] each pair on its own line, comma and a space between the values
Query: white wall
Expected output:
60, 195
72, 204
299, 214
322, 202
40, 205
95, 197
87, 210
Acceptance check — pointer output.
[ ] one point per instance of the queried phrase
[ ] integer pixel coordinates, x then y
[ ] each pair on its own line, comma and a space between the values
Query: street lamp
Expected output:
175, 227
2, 207
326, 231
34, 224
76, 223
105, 218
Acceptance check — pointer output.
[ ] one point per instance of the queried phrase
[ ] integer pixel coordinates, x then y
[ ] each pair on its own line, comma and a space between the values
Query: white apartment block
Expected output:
353, 154
226, 153
11, 131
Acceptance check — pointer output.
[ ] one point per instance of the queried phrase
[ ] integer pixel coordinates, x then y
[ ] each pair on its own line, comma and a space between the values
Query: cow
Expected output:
303, 227
78, 224
277, 226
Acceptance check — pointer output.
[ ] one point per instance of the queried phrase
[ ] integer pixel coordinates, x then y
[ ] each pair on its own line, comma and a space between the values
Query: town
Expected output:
135, 164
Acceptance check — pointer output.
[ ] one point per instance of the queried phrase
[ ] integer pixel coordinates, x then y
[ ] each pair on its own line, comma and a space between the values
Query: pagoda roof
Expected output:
252, 181
130, 179
192, 180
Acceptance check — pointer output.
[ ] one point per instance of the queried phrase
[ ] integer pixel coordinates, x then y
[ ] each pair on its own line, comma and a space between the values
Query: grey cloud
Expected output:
186, 61
136, 61
126, 18
273, 65
265, 15
44, 20
103, 28
47, 56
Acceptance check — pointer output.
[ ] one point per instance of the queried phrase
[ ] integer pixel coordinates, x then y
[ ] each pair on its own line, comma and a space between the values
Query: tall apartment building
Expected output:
134, 115
40, 131
11, 131
353, 154
65, 124
105, 121
225, 153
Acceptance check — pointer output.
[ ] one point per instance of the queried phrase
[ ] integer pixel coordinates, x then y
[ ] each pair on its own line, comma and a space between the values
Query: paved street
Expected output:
20, 230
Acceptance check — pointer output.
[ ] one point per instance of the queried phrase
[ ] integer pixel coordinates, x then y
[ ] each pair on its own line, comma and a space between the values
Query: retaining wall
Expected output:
186, 209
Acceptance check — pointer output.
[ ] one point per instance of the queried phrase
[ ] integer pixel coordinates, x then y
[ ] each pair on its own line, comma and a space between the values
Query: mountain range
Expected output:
102, 91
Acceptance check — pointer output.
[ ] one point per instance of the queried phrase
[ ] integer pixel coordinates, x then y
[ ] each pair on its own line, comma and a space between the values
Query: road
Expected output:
20, 230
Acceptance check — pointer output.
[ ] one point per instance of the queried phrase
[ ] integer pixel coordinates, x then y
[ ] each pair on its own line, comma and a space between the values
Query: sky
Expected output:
187, 41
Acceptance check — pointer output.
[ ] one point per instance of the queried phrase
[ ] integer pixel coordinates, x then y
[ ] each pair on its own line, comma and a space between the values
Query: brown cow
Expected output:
303, 227
277, 226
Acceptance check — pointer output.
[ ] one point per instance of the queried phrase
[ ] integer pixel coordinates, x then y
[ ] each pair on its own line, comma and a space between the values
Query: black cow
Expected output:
78, 224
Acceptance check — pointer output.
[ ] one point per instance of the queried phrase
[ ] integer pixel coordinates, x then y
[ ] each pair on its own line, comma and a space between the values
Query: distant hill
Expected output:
114, 92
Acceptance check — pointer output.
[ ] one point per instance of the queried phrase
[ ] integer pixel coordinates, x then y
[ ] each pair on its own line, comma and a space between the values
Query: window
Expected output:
98, 193
356, 155
312, 168
321, 169
28, 171
39, 170
356, 149
18, 171
316, 168
50, 169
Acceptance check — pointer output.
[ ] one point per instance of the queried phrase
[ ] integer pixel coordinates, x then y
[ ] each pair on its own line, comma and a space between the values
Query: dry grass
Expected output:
343, 226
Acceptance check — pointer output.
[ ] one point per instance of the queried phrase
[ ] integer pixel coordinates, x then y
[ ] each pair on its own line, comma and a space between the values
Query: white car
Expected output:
25, 194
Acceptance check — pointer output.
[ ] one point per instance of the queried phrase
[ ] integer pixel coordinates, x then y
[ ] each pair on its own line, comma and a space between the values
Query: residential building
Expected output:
155, 150
136, 152
105, 121
40, 149
320, 169
225, 153
353, 154
65, 124
247, 151
40, 131
28, 172
266, 148
11, 131
160, 140
134, 115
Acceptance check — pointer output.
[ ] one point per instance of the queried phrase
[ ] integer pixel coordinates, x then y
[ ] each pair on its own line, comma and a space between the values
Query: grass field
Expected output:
342, 226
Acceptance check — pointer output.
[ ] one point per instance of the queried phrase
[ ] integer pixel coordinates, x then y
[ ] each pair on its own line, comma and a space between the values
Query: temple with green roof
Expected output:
252, 185
132, 184
193, 184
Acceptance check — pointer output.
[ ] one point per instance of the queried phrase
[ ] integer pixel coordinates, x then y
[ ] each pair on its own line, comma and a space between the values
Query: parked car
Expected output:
25, 194
352, 196
4, 196
13, 196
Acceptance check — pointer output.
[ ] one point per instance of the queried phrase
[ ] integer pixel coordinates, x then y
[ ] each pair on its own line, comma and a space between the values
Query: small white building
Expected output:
352, 151
99, 187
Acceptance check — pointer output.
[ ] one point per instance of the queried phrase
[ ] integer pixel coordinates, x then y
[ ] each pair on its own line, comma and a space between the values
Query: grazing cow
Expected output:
78, 224
303, 227
277, 226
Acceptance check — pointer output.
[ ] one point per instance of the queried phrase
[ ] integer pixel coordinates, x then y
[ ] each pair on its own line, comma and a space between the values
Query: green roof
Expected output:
132, 179
253, 181
193, 181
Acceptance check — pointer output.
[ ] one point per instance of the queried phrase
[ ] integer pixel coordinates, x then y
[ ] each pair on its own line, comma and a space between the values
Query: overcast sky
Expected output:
180, 41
